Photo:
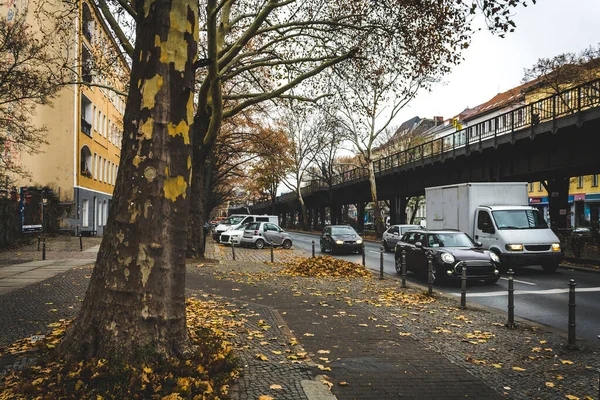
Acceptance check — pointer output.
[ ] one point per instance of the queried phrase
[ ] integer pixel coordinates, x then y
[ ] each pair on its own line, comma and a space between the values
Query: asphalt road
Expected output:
539, 297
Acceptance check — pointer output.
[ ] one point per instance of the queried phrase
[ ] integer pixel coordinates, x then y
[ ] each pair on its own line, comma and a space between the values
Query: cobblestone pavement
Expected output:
369, 341
57, 247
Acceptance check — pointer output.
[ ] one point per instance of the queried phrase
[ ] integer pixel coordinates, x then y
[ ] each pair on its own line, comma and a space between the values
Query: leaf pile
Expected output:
326, 266
206, 374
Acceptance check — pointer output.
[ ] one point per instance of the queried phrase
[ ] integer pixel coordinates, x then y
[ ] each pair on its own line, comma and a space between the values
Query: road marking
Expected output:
524, 282
544, 292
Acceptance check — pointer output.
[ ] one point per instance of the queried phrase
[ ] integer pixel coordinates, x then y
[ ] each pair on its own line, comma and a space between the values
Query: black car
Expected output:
341, 238
450, 251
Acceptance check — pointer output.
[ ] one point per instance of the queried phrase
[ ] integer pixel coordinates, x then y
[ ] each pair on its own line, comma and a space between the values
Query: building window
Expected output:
579, 182
104, 126
540, 187
86, 116
595, 180
86, 161
95, 166
105, 171
100, 168
100, 214
531, 186
95, 119
84, 213
105, 213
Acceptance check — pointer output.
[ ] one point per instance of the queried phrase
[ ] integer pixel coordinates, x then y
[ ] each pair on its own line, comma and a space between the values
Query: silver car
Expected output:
393, 234
259, 234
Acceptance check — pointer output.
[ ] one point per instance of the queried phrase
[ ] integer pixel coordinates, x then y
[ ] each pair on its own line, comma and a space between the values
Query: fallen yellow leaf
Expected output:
275, 387
343, 383
566, 362
550, 384
265, 397
571, 397
497, 365
518, 369
323, 351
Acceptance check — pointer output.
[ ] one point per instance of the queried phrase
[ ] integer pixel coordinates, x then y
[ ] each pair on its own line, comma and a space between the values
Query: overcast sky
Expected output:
492, 65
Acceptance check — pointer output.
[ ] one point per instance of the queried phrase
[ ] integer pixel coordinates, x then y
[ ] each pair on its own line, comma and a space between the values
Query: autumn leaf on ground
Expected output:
275, 387
571, 397
550, 384
323, 368
309, 334
323, 351
262, 357
519, 369
405, 334
265, 397
343, 383
568, 362
363, 325
497, 365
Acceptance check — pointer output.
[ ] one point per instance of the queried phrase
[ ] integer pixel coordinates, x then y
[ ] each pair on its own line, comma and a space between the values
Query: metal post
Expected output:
80, 242
313, 248
463, 286
272, 255
430, 274
572, 338
233, 250
511, 300
403, 268
363, 255
44, 249
39, 240
381, 263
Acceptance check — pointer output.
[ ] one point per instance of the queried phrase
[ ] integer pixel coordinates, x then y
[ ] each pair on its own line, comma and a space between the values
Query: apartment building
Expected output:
84, 124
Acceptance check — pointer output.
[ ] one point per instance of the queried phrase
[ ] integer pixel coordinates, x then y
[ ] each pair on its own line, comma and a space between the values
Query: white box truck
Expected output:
497, 215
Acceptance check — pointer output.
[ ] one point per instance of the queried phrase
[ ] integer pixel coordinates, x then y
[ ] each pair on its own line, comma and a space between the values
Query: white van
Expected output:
235, 220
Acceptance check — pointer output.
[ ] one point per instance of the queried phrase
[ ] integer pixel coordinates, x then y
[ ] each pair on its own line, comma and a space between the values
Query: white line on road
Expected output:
547, 291
524, 282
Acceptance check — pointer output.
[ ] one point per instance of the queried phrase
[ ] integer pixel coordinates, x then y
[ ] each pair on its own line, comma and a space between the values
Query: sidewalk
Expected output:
367, 339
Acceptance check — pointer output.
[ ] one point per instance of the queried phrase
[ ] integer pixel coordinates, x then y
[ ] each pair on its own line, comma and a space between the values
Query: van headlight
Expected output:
555, 246
359, 241
494, 257
514, 247
447, 258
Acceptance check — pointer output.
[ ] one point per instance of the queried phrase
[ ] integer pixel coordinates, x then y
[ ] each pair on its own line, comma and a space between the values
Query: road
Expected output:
539, 297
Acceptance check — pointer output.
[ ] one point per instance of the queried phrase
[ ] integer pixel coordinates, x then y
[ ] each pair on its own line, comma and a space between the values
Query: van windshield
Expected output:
519, 219
233, 220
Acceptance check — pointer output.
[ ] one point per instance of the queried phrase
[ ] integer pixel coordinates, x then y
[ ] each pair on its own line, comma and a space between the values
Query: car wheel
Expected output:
492, 281
398, 265
259, 244
287, 244
385, 246
550, 268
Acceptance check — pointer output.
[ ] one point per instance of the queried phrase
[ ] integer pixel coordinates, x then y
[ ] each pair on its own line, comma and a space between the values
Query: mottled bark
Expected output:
135, 304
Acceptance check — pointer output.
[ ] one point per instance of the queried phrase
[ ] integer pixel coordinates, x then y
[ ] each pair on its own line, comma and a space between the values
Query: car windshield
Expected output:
457, 239
233, 220
519, 219
342, 230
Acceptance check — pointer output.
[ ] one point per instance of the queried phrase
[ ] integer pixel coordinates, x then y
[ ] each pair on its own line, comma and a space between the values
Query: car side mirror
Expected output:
478, 245
419, 245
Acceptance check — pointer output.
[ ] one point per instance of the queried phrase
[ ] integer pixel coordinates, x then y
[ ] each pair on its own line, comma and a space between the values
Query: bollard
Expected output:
363, 255
272, 255
572, 338
429, 274
313, 249
44, 249
381, 263
80, 242
233, 250
511, 300
39, 240
403, 268
463, 286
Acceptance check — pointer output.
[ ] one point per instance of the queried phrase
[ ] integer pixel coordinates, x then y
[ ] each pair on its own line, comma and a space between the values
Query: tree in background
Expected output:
135, 304
27, 80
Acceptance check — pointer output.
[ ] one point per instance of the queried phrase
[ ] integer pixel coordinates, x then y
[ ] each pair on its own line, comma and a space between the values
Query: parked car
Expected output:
451, 251
259, 234
235, 220
393, 235
582, 231
340, 238
234, 235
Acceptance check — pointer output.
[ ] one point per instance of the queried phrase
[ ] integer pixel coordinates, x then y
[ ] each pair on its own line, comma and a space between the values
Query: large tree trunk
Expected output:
135, 303
195, 239
415, 209
379, 226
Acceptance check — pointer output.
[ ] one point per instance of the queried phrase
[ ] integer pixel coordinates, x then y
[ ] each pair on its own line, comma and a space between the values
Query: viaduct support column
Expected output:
558, 199
323, 216
360, 216
400, 212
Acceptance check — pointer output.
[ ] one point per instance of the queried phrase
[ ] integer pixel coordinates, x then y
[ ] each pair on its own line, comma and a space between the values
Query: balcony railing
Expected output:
86, 127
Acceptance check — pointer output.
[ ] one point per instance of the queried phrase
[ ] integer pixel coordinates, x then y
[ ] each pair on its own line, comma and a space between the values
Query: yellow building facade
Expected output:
84, 126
